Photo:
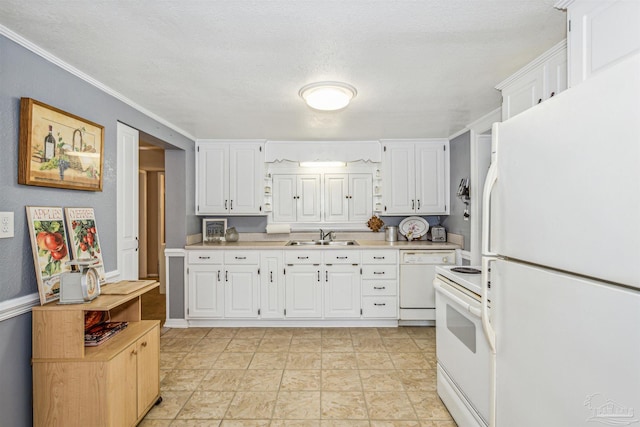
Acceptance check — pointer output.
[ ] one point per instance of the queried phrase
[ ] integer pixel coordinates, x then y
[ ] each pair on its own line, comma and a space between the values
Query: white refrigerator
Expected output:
561, 254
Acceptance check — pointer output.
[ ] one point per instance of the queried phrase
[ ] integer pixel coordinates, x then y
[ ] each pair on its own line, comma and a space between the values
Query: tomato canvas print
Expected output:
50, 250
83, 237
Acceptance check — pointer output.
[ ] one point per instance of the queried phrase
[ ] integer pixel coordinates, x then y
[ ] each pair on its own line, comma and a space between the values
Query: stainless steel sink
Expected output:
322, 243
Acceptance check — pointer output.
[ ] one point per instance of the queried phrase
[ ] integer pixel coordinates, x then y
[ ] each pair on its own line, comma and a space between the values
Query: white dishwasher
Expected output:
417, 294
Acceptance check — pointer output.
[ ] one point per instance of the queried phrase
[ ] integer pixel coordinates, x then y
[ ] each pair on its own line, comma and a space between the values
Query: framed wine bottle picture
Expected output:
59, 149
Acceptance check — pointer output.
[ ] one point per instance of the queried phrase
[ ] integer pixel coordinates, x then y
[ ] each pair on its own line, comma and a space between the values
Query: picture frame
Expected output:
49, 247
58, 149
83, 238
213, 230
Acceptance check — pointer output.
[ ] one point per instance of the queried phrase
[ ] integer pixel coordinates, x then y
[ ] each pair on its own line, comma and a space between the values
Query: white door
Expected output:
360, 197
303, 292
241, 291
246, 163
399, 178
127, 205
336, 197
212, 178
568, 349
284, 198
271, 285
206, 292
342, 291
432, 178
308, 202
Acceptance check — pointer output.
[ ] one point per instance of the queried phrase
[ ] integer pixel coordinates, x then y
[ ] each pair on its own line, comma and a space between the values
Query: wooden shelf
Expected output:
113, 384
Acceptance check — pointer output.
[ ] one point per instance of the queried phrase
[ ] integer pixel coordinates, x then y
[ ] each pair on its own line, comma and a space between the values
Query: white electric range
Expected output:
464, 362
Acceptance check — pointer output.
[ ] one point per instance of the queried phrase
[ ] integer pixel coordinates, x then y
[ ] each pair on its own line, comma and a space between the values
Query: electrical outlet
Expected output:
6, 224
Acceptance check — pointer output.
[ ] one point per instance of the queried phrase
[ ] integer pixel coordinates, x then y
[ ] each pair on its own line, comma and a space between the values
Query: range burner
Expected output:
466, 270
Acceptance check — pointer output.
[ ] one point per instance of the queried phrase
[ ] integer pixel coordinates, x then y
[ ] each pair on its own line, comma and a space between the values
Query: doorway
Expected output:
151, 181
151, 225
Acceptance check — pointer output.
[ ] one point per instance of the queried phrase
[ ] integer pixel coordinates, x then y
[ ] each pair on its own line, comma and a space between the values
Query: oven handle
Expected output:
473, 310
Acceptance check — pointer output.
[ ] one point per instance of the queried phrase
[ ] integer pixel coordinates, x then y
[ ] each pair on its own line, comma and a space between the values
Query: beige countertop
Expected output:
362, 244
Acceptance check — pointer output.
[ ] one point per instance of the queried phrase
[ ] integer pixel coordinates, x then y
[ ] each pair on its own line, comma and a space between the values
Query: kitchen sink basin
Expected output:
322, 243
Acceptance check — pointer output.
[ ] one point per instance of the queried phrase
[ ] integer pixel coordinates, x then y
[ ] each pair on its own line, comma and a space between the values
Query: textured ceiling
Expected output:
233, 68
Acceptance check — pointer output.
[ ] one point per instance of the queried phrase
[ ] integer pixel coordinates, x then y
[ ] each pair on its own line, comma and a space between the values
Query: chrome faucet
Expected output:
324, 235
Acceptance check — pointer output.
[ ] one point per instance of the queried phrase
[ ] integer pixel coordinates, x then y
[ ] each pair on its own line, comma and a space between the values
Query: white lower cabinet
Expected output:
342, 291
380, 284
303, 286
271, 285
241, 291
206, 291
328, 284
303, 293
241, 284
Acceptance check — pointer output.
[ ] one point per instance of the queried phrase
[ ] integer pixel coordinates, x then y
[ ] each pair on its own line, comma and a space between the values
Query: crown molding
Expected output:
11, 35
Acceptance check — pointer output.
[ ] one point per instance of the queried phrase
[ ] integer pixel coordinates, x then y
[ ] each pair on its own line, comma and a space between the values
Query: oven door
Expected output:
461, 348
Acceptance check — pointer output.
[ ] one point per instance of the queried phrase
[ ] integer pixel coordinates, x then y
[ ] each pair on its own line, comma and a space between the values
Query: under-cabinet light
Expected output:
322, 164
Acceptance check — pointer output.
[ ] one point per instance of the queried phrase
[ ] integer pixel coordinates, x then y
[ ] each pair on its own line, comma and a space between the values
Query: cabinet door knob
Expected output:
134, 352
539, 100
552, 94
144, 343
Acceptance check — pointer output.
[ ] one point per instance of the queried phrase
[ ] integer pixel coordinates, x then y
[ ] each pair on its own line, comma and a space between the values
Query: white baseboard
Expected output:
176, 323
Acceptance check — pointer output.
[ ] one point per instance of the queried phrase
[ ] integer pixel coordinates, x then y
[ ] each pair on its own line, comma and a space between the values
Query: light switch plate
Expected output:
6, 224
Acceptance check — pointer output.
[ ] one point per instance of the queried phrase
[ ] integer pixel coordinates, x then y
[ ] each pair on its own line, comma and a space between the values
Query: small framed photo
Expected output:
213, 230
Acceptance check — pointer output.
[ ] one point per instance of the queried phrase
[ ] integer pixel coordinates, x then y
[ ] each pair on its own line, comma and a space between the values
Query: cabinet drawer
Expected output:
303, 257
379, 257
241, 257
379, 287
379, 271
341, 257
384, 307
205, 257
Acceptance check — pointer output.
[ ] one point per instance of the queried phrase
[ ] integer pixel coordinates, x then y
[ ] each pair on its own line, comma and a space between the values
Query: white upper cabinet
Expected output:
229, 177
599, 34
296, 198
540, 80
348, 197
416, 177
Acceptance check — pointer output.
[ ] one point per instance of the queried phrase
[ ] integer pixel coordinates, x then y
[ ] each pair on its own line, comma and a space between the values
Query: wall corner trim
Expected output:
18, 306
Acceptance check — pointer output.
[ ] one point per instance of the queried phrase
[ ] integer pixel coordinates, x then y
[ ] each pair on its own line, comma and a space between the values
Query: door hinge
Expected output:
361, 271
569, 25
285, 311
260, 208
261, 148
258, 272
284, 271
360, 312
444, 147
198, 149
258, 312
187, 311
385, 148
187, 270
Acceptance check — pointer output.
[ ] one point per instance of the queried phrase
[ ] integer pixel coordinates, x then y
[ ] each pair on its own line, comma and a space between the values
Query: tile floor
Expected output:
374, 377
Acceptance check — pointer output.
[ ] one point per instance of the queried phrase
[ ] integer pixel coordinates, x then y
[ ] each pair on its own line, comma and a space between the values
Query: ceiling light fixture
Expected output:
327, 96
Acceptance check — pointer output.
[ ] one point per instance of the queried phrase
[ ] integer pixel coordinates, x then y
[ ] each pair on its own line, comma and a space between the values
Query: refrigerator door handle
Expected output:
492, 177
490, 335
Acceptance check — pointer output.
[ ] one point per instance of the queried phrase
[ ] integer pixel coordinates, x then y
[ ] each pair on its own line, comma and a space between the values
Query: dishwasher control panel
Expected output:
428, 257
